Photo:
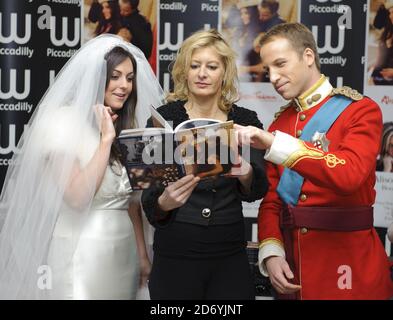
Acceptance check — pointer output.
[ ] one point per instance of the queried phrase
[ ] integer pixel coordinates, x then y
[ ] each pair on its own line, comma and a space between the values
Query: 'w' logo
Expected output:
13, 36
11, 141
328, 40
167, 41
12, 147
12, 92
64, 39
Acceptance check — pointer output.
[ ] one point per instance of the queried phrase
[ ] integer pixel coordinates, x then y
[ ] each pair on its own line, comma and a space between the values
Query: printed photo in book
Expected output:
160, 155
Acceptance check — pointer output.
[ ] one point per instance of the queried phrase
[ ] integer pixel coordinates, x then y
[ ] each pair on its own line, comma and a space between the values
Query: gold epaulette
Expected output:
282, 109
347, 92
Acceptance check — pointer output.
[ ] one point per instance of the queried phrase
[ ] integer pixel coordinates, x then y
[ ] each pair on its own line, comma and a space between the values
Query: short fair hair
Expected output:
204, 39
297, 34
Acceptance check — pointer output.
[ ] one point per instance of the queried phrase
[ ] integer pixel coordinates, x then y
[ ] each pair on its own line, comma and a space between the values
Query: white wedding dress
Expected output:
105, 264
103, 251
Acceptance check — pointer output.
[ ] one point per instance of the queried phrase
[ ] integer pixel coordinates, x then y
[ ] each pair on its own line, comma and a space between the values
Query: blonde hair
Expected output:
203, 39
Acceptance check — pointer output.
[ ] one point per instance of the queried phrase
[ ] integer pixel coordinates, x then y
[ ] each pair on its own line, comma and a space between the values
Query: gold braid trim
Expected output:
347, 92
282, 109
332, 161
302, 152
305, 152
271, 241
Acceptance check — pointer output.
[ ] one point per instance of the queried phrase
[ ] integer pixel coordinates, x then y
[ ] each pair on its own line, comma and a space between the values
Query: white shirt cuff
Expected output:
266, 251
282, 147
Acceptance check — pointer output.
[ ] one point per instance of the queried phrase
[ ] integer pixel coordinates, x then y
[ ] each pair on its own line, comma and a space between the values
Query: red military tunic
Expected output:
330, 265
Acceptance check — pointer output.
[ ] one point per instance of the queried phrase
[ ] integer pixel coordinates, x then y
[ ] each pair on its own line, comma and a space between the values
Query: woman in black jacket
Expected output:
199, 242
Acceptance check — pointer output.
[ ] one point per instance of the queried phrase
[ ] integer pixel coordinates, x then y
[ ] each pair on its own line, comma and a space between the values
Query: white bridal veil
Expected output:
63, 135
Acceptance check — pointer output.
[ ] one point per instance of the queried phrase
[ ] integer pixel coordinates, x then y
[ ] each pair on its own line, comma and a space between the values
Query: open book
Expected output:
159, 155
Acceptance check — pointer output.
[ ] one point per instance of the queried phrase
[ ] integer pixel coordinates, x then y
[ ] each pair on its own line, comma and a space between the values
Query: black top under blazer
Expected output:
214, 201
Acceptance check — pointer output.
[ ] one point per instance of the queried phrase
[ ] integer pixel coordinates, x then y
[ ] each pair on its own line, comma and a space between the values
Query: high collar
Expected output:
319, 91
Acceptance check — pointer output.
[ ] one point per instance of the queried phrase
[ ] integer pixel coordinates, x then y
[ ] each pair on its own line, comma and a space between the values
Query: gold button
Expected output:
303, 230
302, 117
206, 213
303, 197
299, 133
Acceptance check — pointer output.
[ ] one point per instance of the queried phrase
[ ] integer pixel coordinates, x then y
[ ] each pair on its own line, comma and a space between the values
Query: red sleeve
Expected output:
268, 216
355, 146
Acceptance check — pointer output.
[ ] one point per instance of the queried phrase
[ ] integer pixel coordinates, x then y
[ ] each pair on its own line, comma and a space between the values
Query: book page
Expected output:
160, 125
141, 131
207, 150
146, 160
195, 123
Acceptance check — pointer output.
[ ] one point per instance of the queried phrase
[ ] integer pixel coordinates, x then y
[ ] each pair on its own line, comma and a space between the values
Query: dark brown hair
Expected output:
113, 21
272, 5
126, 119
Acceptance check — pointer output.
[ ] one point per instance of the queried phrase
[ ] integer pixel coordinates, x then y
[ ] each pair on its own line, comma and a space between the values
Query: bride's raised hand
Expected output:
105, 118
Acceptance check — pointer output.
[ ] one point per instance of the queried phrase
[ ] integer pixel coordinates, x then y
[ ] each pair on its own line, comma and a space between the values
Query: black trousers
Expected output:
221, 278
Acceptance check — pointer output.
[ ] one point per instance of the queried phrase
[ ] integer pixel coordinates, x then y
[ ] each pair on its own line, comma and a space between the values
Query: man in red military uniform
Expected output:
316, 233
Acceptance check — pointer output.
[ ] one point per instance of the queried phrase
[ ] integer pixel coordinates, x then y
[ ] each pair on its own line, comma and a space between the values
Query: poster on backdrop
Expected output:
30, 33
177, 20
379, 72
378, 79
384, 184
243, 23
134, 21
379, 67
339, 28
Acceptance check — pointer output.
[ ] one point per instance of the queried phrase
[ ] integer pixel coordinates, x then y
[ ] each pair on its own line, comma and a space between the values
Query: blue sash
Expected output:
291, 182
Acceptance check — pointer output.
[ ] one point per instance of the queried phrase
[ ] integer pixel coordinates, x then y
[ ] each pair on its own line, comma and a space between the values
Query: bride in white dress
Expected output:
71, 227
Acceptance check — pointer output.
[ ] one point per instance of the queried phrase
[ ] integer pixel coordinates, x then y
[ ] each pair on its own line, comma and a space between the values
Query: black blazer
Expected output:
213, 201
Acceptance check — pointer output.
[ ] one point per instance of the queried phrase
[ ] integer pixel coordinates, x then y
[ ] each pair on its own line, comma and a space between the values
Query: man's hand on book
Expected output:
253, 136
177, 194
